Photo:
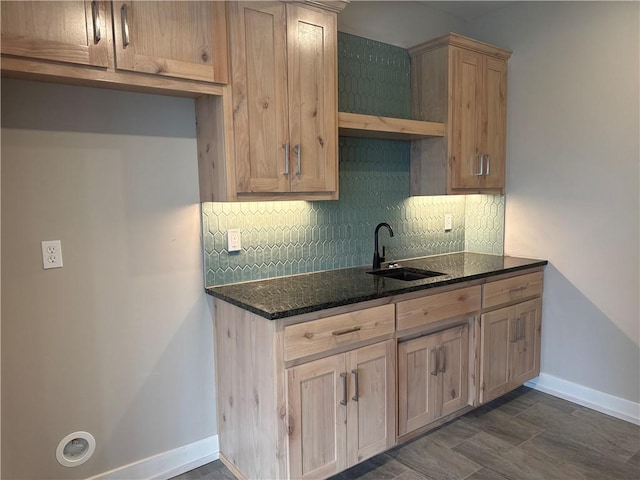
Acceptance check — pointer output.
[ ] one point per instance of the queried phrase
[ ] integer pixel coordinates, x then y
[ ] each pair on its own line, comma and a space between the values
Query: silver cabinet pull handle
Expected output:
345, 331
95, 13
443, 359
286, 158
434, 362
518, 289
514, 330
481, 162
298, 152
124, 16
488, 157
344, 389
521, 336
355, 379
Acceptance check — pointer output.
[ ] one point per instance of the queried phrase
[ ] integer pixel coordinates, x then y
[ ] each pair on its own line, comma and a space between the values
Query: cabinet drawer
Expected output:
511, 289
322, 335
426, 310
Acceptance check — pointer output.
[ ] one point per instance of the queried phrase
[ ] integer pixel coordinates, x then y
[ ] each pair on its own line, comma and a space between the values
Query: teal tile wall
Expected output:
285, 238
373, 77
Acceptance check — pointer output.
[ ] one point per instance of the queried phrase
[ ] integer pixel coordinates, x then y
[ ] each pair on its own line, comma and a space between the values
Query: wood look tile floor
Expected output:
524, 435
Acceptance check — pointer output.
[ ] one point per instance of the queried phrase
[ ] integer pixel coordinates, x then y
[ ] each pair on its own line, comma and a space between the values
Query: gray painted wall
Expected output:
119, 341
573, 173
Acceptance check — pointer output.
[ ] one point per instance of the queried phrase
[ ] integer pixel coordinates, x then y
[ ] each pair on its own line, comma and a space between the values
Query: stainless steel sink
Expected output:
406, 274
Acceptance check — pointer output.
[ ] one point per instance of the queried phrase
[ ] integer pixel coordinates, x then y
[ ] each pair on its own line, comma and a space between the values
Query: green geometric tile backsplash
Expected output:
285, 238
373, 77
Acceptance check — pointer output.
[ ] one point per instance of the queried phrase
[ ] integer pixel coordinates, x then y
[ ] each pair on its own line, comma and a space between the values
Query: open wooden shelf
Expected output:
371, 126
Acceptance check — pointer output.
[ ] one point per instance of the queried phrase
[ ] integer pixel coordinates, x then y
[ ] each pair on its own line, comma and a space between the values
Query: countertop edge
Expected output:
350, 301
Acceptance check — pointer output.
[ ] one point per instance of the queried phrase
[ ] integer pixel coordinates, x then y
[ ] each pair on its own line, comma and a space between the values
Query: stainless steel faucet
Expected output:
377, 259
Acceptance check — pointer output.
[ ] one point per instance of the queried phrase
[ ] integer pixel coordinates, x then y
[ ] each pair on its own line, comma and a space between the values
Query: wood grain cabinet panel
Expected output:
341, 410
308, 338
510, 348
284, 101
317, 418
463, 83
511, 289
172, 48
175, 39
69, 32
433, 377
432, 308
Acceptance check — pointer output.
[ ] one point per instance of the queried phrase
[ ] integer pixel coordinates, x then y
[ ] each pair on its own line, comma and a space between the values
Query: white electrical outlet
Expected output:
448, 222
51, 254
233, 241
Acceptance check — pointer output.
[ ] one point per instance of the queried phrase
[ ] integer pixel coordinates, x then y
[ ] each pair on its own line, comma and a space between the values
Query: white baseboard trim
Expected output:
167, 464
587, 397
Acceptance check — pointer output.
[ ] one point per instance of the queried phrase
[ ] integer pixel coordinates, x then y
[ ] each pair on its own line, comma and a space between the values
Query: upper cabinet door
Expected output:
466, 118
70, 32
311, 44
493, 124
176, 39
257, 38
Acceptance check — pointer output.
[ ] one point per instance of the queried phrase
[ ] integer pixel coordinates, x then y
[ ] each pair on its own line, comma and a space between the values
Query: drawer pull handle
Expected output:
443, 359
344, 389
337, 333
355, 379
434, 362
518, 289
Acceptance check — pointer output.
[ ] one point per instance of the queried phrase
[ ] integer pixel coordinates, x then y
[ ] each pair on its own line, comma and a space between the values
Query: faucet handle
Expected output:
382, 259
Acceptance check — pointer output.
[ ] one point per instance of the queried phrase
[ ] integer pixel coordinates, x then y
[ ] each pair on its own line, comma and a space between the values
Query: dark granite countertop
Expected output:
297, 294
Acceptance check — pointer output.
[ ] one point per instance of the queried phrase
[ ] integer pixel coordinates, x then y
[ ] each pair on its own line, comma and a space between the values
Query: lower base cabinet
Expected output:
510, 348
341, 410
433, 376
313, 397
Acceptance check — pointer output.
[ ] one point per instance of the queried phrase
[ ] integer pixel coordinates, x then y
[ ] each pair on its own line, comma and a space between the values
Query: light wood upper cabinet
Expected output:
172, 48
433, 377
341, 410
284, 101
72, 32
463, 83
175, 39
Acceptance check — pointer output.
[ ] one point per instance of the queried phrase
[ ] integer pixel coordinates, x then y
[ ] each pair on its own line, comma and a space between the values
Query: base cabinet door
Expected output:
433, 377
510, 348
317, 408
417, 383
341, 410
453, 370
496, 334
526, 356
371, 414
